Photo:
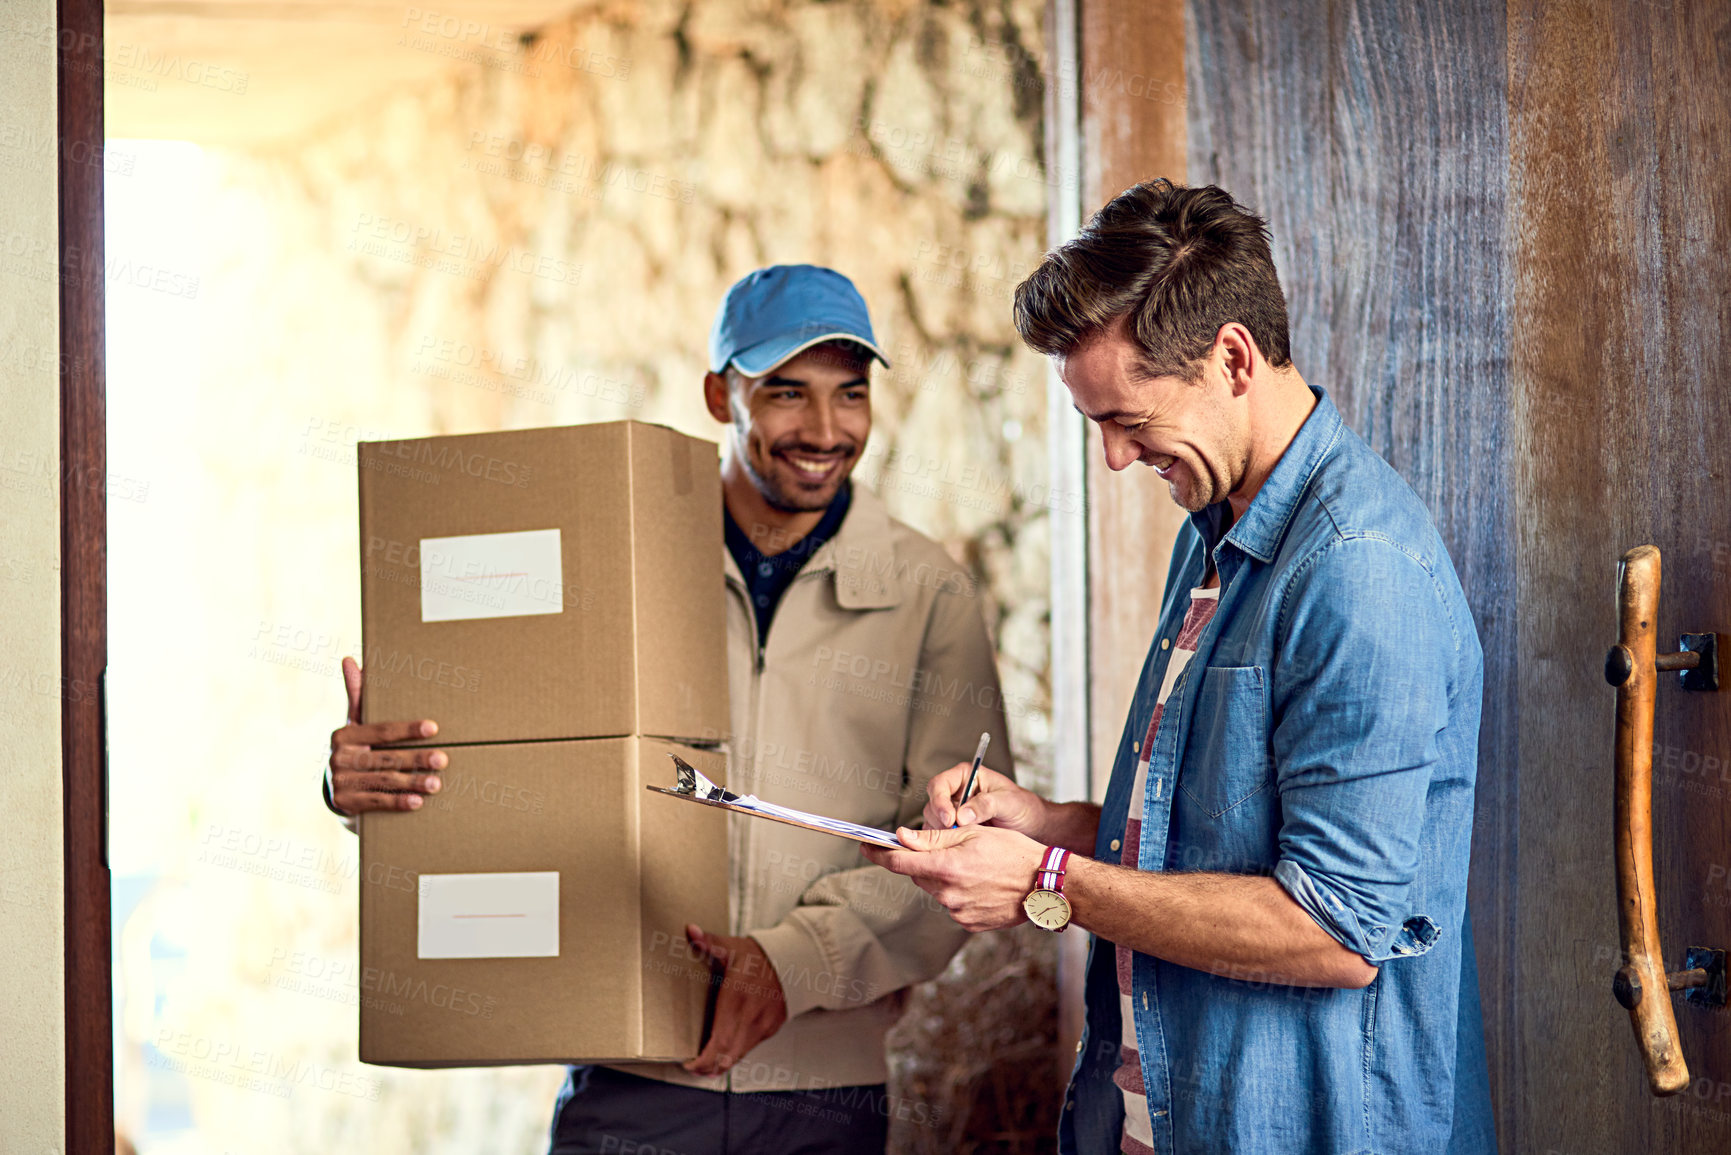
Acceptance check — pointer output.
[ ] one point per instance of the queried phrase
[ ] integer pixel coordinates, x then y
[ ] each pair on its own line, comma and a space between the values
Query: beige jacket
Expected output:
877, 674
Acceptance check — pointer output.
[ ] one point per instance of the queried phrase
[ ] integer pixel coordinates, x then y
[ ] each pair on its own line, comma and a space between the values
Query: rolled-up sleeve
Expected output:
1361, 690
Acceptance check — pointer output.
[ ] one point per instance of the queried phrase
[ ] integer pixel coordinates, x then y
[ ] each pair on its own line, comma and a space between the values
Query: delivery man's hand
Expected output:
980, 874
750, 1007
363, 778
996, 800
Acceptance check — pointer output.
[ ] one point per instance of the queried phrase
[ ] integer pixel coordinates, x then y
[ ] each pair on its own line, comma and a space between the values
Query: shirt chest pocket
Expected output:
1226, 761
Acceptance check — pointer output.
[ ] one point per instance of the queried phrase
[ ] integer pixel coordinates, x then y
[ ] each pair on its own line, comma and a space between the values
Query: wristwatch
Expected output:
1046, 906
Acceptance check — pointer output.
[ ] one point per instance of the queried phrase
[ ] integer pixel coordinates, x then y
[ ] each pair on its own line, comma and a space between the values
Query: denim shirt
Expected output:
1324, 734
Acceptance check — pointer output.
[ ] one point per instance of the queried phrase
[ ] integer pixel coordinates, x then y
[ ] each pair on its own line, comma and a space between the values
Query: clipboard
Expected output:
694, 787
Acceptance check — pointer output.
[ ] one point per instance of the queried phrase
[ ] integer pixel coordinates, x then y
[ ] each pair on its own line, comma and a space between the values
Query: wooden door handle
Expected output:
1633, 667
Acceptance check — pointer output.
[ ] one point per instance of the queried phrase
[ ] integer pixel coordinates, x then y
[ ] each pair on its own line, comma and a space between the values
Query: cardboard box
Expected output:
573, 884
545, 584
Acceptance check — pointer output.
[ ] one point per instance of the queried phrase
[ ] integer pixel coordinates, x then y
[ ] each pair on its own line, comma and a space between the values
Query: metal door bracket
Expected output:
1704, 675
1702, 977
1696, 662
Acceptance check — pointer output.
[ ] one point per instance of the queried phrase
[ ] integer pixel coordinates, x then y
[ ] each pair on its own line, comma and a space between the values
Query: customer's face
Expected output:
800, 428
1190, 433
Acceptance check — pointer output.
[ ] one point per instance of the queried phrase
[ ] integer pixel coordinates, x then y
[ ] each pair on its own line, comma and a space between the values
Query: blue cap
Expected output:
772, 314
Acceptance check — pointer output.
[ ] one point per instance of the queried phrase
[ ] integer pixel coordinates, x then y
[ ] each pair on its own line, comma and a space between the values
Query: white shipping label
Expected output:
489, 915
491, 575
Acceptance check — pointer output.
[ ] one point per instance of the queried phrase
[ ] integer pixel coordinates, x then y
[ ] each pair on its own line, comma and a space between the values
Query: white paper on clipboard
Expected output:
695, 787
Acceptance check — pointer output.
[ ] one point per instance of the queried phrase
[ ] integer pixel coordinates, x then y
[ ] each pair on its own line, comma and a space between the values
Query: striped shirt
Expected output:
1138, 1139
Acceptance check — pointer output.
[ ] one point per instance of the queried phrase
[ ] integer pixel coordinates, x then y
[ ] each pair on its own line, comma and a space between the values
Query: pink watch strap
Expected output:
1050, 876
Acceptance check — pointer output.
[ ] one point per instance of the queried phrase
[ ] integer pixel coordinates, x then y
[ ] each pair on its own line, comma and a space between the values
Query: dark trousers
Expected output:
606, 1112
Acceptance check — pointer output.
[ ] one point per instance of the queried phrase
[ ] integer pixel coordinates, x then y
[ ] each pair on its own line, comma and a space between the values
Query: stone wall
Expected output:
542, 238
546, 237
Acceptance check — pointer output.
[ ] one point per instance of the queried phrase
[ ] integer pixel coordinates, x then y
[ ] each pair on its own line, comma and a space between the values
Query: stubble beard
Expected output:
1200, 496
779, 499
1205, 490
1191, 505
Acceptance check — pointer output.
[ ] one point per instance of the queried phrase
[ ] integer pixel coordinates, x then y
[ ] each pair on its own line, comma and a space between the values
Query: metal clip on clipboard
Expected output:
692, 786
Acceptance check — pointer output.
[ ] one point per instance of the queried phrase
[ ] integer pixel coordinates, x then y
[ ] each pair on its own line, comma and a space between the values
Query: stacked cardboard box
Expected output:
553, 599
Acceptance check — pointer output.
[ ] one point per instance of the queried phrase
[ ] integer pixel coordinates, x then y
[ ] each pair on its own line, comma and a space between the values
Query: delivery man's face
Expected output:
1190, 432
799, 429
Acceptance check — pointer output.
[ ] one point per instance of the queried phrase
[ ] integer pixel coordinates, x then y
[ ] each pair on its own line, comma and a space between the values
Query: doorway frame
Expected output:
89, 989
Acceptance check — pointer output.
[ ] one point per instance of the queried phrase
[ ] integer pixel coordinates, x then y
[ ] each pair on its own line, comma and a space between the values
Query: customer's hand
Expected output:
979, 874
363, 778
996, 801
750, 1007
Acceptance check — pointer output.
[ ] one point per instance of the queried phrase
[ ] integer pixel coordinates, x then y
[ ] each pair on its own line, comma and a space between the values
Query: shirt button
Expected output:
1136, 746
762, 600
1115, 844
765, 568
1165, 643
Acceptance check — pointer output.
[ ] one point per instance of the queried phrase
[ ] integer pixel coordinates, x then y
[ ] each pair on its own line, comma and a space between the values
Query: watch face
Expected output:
1047, 909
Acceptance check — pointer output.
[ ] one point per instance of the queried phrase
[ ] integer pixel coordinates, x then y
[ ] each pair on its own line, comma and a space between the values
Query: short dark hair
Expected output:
840, 351
1175, 264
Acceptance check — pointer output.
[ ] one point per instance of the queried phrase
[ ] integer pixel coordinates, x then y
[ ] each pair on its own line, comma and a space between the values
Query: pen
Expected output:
968, 790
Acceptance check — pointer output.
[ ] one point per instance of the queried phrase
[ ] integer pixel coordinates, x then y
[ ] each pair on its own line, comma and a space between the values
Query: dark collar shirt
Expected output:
1324, 734
767, 576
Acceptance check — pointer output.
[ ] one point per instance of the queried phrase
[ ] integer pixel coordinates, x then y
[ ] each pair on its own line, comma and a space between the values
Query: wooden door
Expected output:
1504, 230
1620, 370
